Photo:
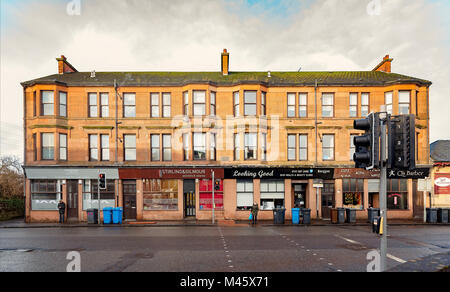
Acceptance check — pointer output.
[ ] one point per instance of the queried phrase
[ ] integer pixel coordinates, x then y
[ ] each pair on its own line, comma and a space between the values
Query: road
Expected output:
214, 249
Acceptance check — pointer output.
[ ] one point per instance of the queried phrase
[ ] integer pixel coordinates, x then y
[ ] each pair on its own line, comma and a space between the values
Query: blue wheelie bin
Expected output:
295, 215
117, 215
107, 215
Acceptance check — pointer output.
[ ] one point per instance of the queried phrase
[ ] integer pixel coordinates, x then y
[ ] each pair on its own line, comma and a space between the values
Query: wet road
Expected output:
214, 249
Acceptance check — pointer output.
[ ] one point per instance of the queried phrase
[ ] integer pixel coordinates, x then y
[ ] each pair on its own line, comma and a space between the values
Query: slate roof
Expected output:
440, 151
354, 78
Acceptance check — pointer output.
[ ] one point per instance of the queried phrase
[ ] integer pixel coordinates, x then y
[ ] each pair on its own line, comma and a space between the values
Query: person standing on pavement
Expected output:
62, 211
255, 210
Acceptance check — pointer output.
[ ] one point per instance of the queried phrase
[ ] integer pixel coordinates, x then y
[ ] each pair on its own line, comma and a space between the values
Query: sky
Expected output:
188, 35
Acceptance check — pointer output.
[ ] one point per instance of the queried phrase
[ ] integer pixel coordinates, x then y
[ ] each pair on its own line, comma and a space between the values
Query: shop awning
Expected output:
69, 173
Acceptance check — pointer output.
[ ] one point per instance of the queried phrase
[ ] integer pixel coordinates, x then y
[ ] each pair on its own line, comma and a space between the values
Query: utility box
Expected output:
92, 216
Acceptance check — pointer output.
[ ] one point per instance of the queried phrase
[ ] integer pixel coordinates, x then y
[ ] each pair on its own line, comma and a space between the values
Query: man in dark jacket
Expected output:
255, 210
62, 211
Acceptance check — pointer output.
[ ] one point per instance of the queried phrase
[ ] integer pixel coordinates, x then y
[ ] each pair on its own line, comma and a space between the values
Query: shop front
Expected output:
170, 193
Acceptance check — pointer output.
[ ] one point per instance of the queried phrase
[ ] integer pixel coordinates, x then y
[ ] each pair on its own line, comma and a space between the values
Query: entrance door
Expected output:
72, 199
129, 199
300, 195
327, 200
189, 198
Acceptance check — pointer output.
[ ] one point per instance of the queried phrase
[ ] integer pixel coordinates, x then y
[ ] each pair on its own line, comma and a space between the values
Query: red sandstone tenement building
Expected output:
274, 138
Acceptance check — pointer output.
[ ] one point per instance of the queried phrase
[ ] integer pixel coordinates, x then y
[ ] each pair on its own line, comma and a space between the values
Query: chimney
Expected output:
225, 62
385, 65
64, 66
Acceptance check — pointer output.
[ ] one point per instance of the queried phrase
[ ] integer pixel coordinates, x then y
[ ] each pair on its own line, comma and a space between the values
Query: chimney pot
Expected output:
225, 63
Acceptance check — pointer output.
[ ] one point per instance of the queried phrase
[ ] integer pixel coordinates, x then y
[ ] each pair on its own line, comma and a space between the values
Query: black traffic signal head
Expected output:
217, 185
367, 146
402, 142
102, 181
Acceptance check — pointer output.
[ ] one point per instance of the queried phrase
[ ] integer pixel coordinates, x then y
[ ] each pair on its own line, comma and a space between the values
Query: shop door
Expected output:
72, 199
327, 200
189, 198
129, 199
300, 195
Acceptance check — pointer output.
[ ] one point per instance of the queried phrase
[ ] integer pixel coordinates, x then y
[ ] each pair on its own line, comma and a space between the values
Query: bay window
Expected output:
47, 103
199, 146
199, 103
48, 146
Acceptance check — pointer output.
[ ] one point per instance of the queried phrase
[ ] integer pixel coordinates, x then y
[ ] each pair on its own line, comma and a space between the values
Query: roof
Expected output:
440, 151
354, 78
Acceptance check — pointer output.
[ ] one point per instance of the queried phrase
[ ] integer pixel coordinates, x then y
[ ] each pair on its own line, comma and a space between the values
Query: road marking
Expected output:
349, 240
395, 258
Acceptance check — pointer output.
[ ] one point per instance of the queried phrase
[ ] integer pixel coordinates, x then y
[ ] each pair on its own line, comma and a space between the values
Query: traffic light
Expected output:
102, 181
217, 185
367, 146
402, 142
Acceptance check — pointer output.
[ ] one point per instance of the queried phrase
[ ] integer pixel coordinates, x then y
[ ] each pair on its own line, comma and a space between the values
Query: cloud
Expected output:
141, 35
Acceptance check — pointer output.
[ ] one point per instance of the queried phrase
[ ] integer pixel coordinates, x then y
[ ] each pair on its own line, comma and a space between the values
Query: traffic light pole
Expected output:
383, 195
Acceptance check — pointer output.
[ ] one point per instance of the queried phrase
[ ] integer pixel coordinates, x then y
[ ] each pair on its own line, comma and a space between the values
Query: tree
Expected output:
11, 178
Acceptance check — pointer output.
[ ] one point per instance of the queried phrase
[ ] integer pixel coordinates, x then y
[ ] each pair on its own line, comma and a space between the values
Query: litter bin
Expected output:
351, 215
334, 216
117, 215
92, 216
442, 215
341, 215
295, 215
372, 213
278, 215
448, 217
306, 214
107, 215
431, 215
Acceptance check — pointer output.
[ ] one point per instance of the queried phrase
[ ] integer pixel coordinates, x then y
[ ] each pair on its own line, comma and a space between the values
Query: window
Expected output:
155, 147
129, 101
403, 102
47, 103
160, 194
93, 109
328, 147
212, 149
212, 110
186, 103
352, 146
353, 193
237, 147
199, 102
199, 146
205, 196
63, 104
251, 146
292, 145
244, 194
236, 103
62, 147
130, 147
364, 104
291, 105
34, 147
166, 101
104, 140
263, 103
303, 147
388, 102
272, 194
327, 105
90, 194
45, 195
104, 103
303, 105
353, 105
397, 194
264, 146
186, 146
34, 103
93, 147
167, 147
154, 101
250, 103
48, 146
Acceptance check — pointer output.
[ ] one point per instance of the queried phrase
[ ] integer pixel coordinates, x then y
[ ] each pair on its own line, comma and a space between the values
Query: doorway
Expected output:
327, 200
300, 195
72, 200
189, 198
129, 199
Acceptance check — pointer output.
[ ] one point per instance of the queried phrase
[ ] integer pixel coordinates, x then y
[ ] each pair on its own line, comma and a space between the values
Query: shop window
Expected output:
205, 195
353, 193
272, 194
45, 195
397, 194
90, 194
160, 194
244, 194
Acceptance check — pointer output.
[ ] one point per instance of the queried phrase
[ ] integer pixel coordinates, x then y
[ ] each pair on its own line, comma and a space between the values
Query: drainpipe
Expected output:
316, 123
24, 155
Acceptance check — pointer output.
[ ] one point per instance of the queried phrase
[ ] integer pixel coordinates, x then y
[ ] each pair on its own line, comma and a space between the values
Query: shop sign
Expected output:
277, 173
442, 183
406, 173
170, 173
375, 174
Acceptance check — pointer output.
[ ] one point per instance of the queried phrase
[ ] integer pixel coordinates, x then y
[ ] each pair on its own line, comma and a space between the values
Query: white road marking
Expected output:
395, 258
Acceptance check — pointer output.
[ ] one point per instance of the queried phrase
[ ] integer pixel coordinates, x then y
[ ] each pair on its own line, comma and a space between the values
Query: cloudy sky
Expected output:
188, 35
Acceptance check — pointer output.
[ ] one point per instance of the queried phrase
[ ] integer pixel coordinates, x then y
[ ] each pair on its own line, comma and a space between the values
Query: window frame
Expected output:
165, 147
125, 148
186, 146
300, 105
103, 148
164, 105
63, 105
212, 103
43, 113
291, 106
104, 106
300, 148
252, 104
263, 103
63, 149
196, 104
365, 105
132, 106
93, 147
353, 113
400, 103
236, 104
153, 139
212, 146
91, 106
196, 147
327, 106
237, 147
389, 106
291, 147
333, 147
43, 146
247, 147
245, 183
